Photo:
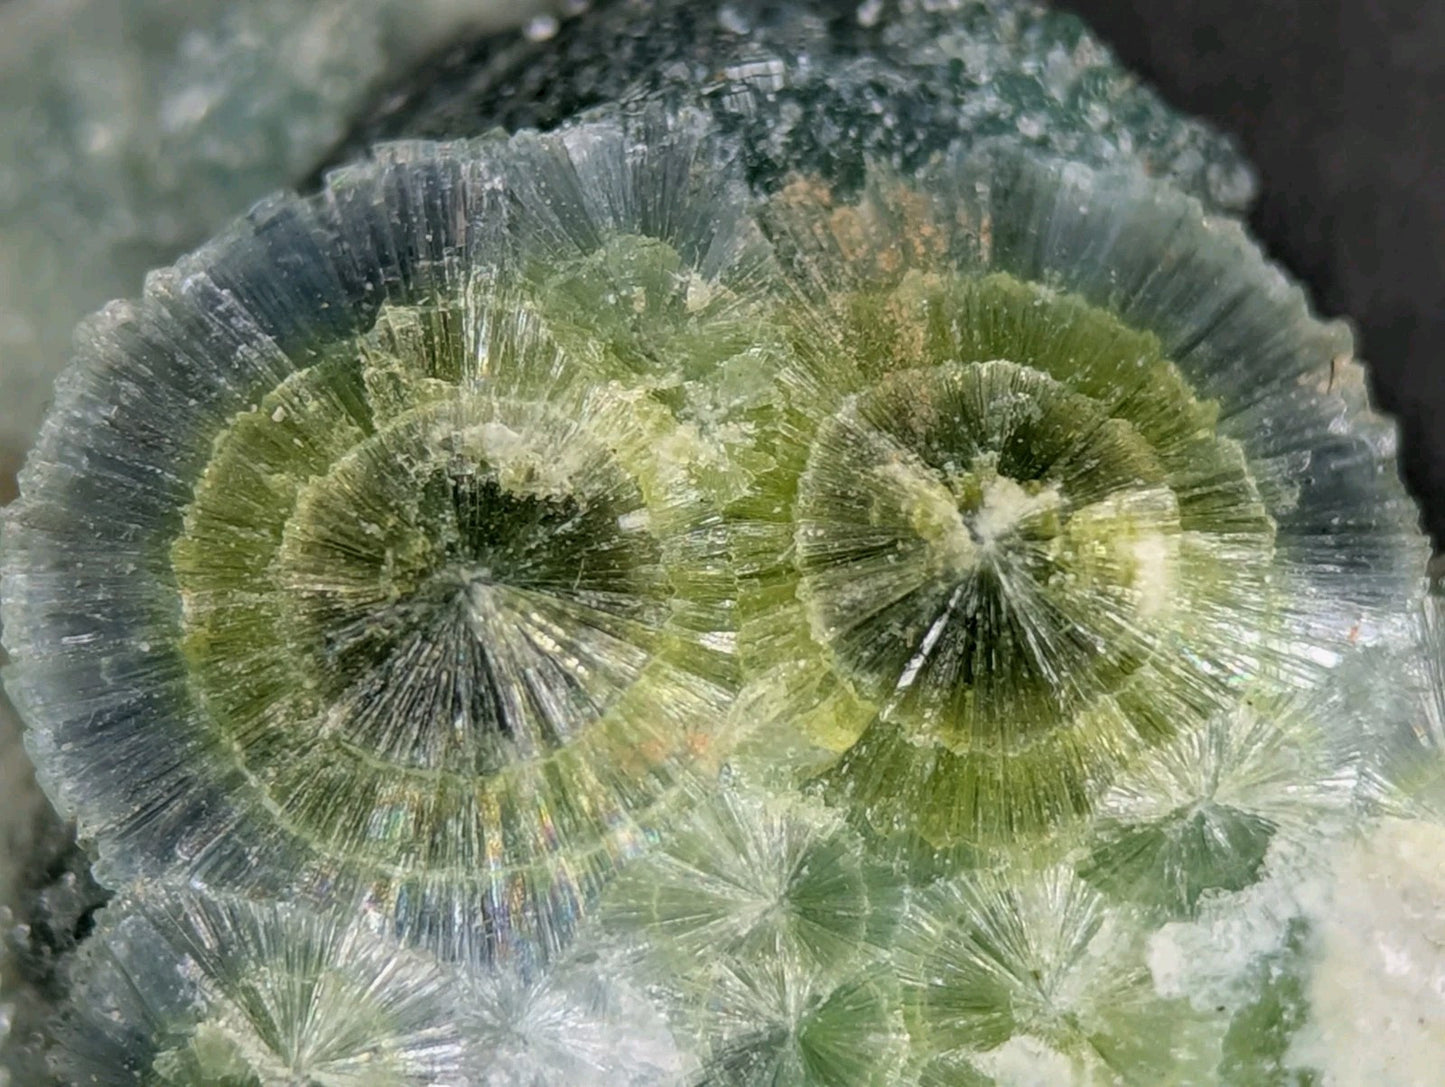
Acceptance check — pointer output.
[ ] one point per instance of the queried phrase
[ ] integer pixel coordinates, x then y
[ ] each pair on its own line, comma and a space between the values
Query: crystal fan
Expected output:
838, 564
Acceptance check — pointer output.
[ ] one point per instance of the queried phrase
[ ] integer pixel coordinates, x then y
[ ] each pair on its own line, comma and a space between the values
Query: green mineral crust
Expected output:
1201, 813
576, 607
1040, 964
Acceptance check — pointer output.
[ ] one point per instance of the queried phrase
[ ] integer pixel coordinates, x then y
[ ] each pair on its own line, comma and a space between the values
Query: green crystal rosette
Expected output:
182, 988
1206, 813
1063, 467
403, 598
751, 879
503, 539
1040, 965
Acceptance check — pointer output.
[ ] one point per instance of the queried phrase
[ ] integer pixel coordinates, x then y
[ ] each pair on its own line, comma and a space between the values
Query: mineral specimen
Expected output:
186, 989
759, 601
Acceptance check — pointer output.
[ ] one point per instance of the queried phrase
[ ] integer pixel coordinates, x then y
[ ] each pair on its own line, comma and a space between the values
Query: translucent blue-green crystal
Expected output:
582, 1021
179, 988
602, 606
1256, 1045
749, 879
772, 1023
994, 960
1200, 814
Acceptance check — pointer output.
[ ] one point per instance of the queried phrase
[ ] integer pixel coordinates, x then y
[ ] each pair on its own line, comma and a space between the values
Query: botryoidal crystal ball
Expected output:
672, 596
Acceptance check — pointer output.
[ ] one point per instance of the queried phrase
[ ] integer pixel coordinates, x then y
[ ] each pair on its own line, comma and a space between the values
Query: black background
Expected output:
1340, 104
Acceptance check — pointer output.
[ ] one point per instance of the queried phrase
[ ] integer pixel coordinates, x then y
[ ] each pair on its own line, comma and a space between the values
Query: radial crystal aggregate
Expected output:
736, 613
187, 989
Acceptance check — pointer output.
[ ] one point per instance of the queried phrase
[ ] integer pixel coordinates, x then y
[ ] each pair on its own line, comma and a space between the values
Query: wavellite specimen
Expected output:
186, 989
425, 623
753, 879
583, 1021
1041, 962
749, 615
1035, 518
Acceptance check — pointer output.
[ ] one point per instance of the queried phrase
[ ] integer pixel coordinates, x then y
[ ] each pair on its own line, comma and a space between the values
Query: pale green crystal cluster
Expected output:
544, 610
199, 990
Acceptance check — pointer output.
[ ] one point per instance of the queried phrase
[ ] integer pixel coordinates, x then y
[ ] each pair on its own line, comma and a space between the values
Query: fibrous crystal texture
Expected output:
186, 989
904, 621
